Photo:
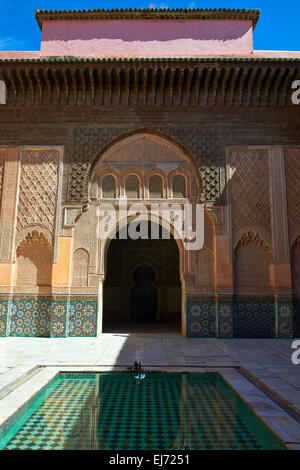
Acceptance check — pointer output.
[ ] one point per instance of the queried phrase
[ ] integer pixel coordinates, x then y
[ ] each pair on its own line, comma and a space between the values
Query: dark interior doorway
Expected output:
142, 289
143, 294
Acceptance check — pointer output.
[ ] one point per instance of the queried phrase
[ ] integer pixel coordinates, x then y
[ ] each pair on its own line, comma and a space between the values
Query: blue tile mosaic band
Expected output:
225, 319
45, 317
201, 318
254, 319
4, 309
59, 318
207, 317
30, 318
285, 322
240, 317
82, 320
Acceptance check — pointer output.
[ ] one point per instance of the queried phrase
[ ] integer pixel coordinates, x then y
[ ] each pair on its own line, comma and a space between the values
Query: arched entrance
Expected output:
142, 288
142, 170
143, 296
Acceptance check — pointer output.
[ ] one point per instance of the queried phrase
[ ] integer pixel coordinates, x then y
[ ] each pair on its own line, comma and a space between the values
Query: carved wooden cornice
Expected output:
150, 82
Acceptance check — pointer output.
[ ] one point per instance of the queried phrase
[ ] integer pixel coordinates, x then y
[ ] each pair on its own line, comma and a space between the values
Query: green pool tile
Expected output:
164, 411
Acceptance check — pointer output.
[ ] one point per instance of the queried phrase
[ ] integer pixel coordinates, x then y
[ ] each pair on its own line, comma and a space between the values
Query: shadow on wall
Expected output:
255, 311
145, 31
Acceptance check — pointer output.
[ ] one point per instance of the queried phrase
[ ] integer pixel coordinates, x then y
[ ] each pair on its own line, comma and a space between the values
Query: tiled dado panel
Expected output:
201, 317
257, 317
208, 317
287, 318
225, 318
30, 318
59, 318
4, 309
254, 318
82, 319
48, 317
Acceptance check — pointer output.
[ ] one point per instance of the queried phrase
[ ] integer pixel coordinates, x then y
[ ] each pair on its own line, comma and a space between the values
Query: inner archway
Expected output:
143, 299
142, 289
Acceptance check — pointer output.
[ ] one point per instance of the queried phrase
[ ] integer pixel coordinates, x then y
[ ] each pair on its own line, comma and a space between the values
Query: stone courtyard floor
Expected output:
261, 371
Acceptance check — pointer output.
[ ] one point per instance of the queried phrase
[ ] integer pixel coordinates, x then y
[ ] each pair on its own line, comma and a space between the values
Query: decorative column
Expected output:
9, 204
282, 267
224, 276
100, 306
9, 174
280, 221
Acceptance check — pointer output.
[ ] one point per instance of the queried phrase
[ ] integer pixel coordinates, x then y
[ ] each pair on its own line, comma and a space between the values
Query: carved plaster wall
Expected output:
87, 145
292, 172
38, 193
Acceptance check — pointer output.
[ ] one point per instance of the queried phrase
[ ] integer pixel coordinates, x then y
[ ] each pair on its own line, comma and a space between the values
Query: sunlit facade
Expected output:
149, 107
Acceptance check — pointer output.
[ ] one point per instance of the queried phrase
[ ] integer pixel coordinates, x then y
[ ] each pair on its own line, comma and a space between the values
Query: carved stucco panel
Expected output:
250, 193
85, 145
292, 172
38, 190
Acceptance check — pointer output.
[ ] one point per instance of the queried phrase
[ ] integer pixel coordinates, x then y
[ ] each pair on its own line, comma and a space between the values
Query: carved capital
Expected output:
71, 214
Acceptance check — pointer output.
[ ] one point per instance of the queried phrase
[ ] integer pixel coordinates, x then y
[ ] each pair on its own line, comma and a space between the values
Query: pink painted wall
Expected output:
277, 54
19, 54
137, 38
130, 38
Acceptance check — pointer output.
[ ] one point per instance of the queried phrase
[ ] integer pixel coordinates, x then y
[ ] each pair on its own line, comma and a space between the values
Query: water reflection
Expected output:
164, 411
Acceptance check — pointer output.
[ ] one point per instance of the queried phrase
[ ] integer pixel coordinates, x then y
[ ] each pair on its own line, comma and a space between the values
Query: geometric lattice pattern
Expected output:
4, 307
30, 318
201, 319
254, 319
38, 189
85, 143
207, 148
82, 318
116, 411
210, 174
48, 317
243, 317
292, 173
59, 315
225, 320
286, 314
250, 191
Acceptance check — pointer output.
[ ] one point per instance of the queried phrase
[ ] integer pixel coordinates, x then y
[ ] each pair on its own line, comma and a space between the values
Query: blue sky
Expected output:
277, 29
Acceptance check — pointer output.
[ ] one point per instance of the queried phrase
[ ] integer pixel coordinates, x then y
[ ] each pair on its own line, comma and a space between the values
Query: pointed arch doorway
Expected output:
142, 289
